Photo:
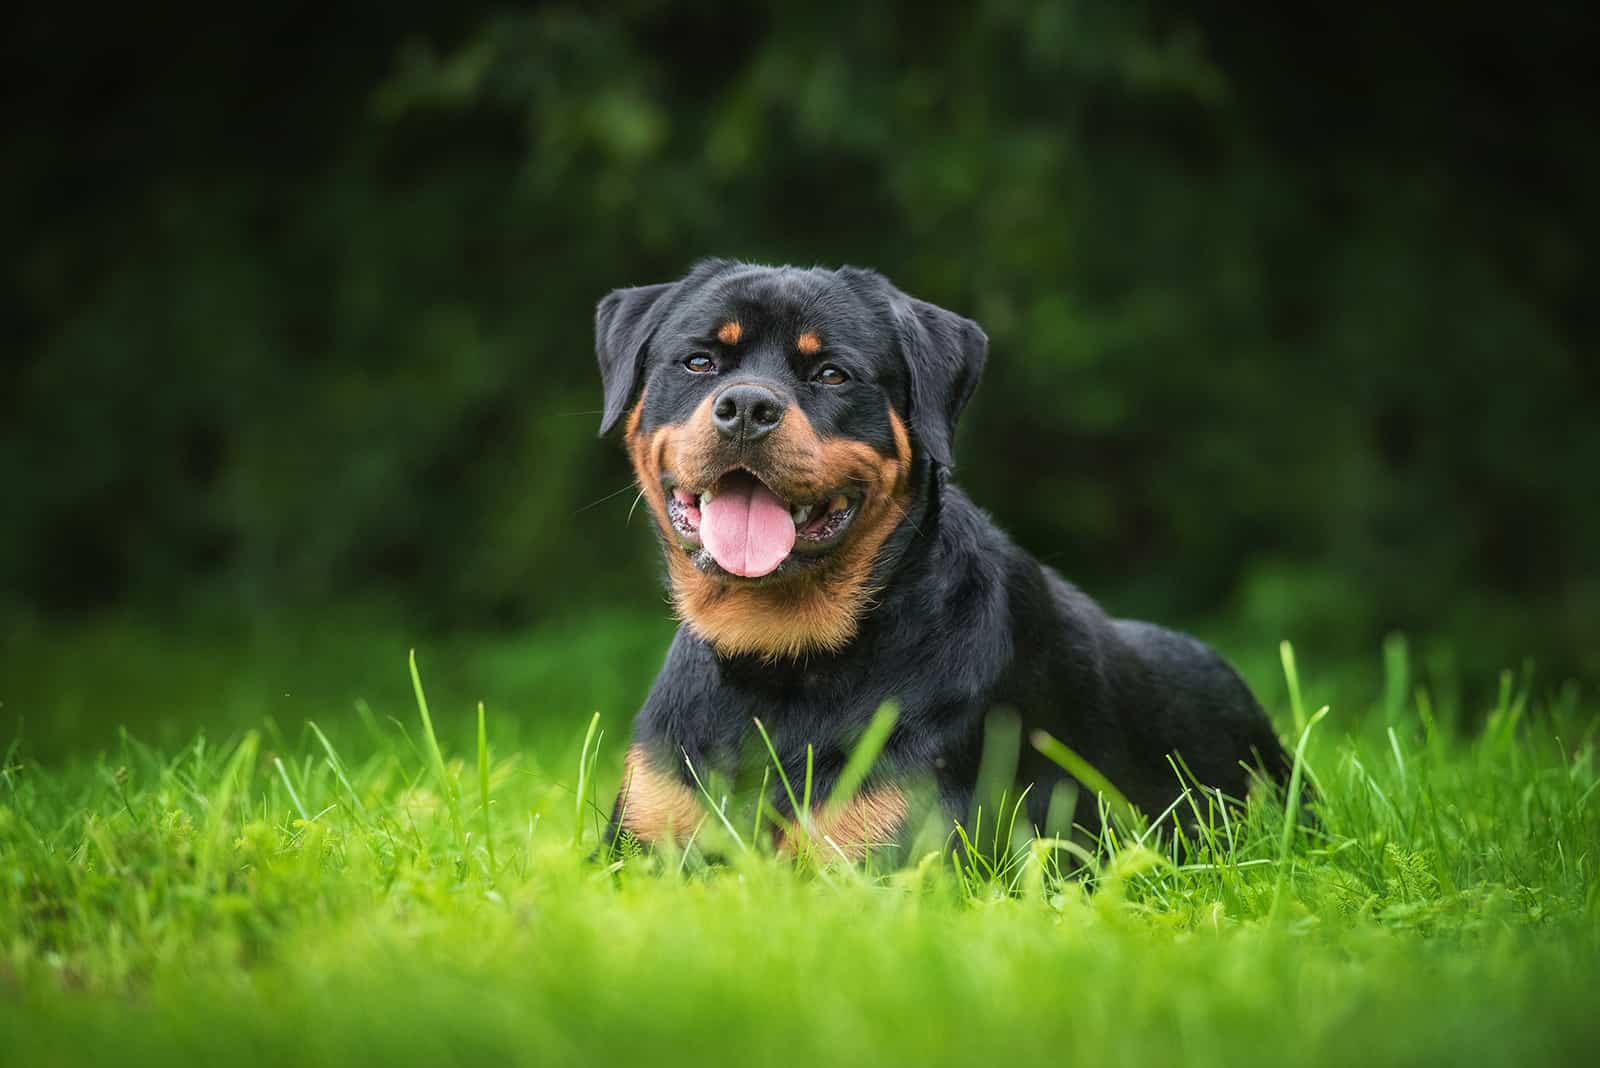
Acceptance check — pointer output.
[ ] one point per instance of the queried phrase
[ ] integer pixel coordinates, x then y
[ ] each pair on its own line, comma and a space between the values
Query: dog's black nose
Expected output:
747, 412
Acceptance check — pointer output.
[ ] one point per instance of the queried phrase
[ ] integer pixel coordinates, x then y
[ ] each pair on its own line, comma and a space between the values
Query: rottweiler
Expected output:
792, 431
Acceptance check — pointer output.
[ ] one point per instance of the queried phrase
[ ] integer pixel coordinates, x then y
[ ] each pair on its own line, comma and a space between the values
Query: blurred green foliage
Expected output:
1289, 321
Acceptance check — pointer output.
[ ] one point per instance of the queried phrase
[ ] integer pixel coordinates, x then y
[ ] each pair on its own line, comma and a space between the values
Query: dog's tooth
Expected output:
705, 499
799, 513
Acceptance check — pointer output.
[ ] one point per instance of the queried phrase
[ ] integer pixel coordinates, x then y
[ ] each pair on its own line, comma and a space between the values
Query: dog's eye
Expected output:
700, 363
830, 376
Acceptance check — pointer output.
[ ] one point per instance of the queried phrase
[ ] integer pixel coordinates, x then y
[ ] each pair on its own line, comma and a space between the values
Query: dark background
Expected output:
1293, 318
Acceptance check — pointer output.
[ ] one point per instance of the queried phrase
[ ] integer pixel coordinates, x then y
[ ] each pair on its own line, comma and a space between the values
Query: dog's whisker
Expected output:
607, 497
905, 513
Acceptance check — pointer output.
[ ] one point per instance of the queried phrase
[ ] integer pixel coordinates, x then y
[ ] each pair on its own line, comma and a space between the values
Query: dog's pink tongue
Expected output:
747, 527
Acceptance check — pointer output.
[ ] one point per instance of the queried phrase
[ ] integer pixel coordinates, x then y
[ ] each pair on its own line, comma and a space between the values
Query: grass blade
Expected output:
1085, 773
339, 770
720, 811
782, 777
294, 798
1291, 674
1291, 810
584, 764
483, 787
865, 753
447, 786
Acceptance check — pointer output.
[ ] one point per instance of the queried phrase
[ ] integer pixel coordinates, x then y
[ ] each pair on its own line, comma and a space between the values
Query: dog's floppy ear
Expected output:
944, 355
623, 323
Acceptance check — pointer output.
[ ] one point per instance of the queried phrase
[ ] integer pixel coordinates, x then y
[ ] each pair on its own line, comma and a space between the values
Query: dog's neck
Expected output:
908, 546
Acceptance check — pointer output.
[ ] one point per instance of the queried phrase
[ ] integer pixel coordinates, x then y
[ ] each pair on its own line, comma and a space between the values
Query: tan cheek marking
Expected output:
634, 416
682, 449
642, 453
795, 449
902, 440
730, 332
808, 343
687, 450
655, 806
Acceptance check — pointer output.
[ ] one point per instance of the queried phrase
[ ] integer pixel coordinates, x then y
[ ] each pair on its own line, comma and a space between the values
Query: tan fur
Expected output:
866, 820
730, 332
655, 805
808, 343
819, 611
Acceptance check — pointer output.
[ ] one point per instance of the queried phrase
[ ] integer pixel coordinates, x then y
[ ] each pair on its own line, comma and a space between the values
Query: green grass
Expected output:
412, 882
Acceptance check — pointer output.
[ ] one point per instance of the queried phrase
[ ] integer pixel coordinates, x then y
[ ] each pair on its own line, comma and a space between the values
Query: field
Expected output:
266, 851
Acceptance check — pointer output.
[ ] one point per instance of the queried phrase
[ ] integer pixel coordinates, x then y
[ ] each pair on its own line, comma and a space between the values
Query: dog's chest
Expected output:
796, 707
825, 712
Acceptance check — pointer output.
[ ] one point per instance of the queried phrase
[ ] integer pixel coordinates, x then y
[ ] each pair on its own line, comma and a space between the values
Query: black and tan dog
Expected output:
791, 430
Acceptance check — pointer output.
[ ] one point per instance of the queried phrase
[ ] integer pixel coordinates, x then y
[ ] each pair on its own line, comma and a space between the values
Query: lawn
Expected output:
268, 852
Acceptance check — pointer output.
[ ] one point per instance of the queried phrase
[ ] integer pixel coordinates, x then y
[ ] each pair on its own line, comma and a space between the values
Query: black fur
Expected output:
965, 622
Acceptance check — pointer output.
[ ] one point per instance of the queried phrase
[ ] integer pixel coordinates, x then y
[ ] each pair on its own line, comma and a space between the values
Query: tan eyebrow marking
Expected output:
730, 332
808, 343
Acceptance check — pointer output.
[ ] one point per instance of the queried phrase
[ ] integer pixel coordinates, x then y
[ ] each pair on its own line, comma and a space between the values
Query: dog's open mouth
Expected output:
749, 530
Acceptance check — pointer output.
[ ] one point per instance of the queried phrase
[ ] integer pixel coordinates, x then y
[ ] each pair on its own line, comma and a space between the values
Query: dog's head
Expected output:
781, 423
